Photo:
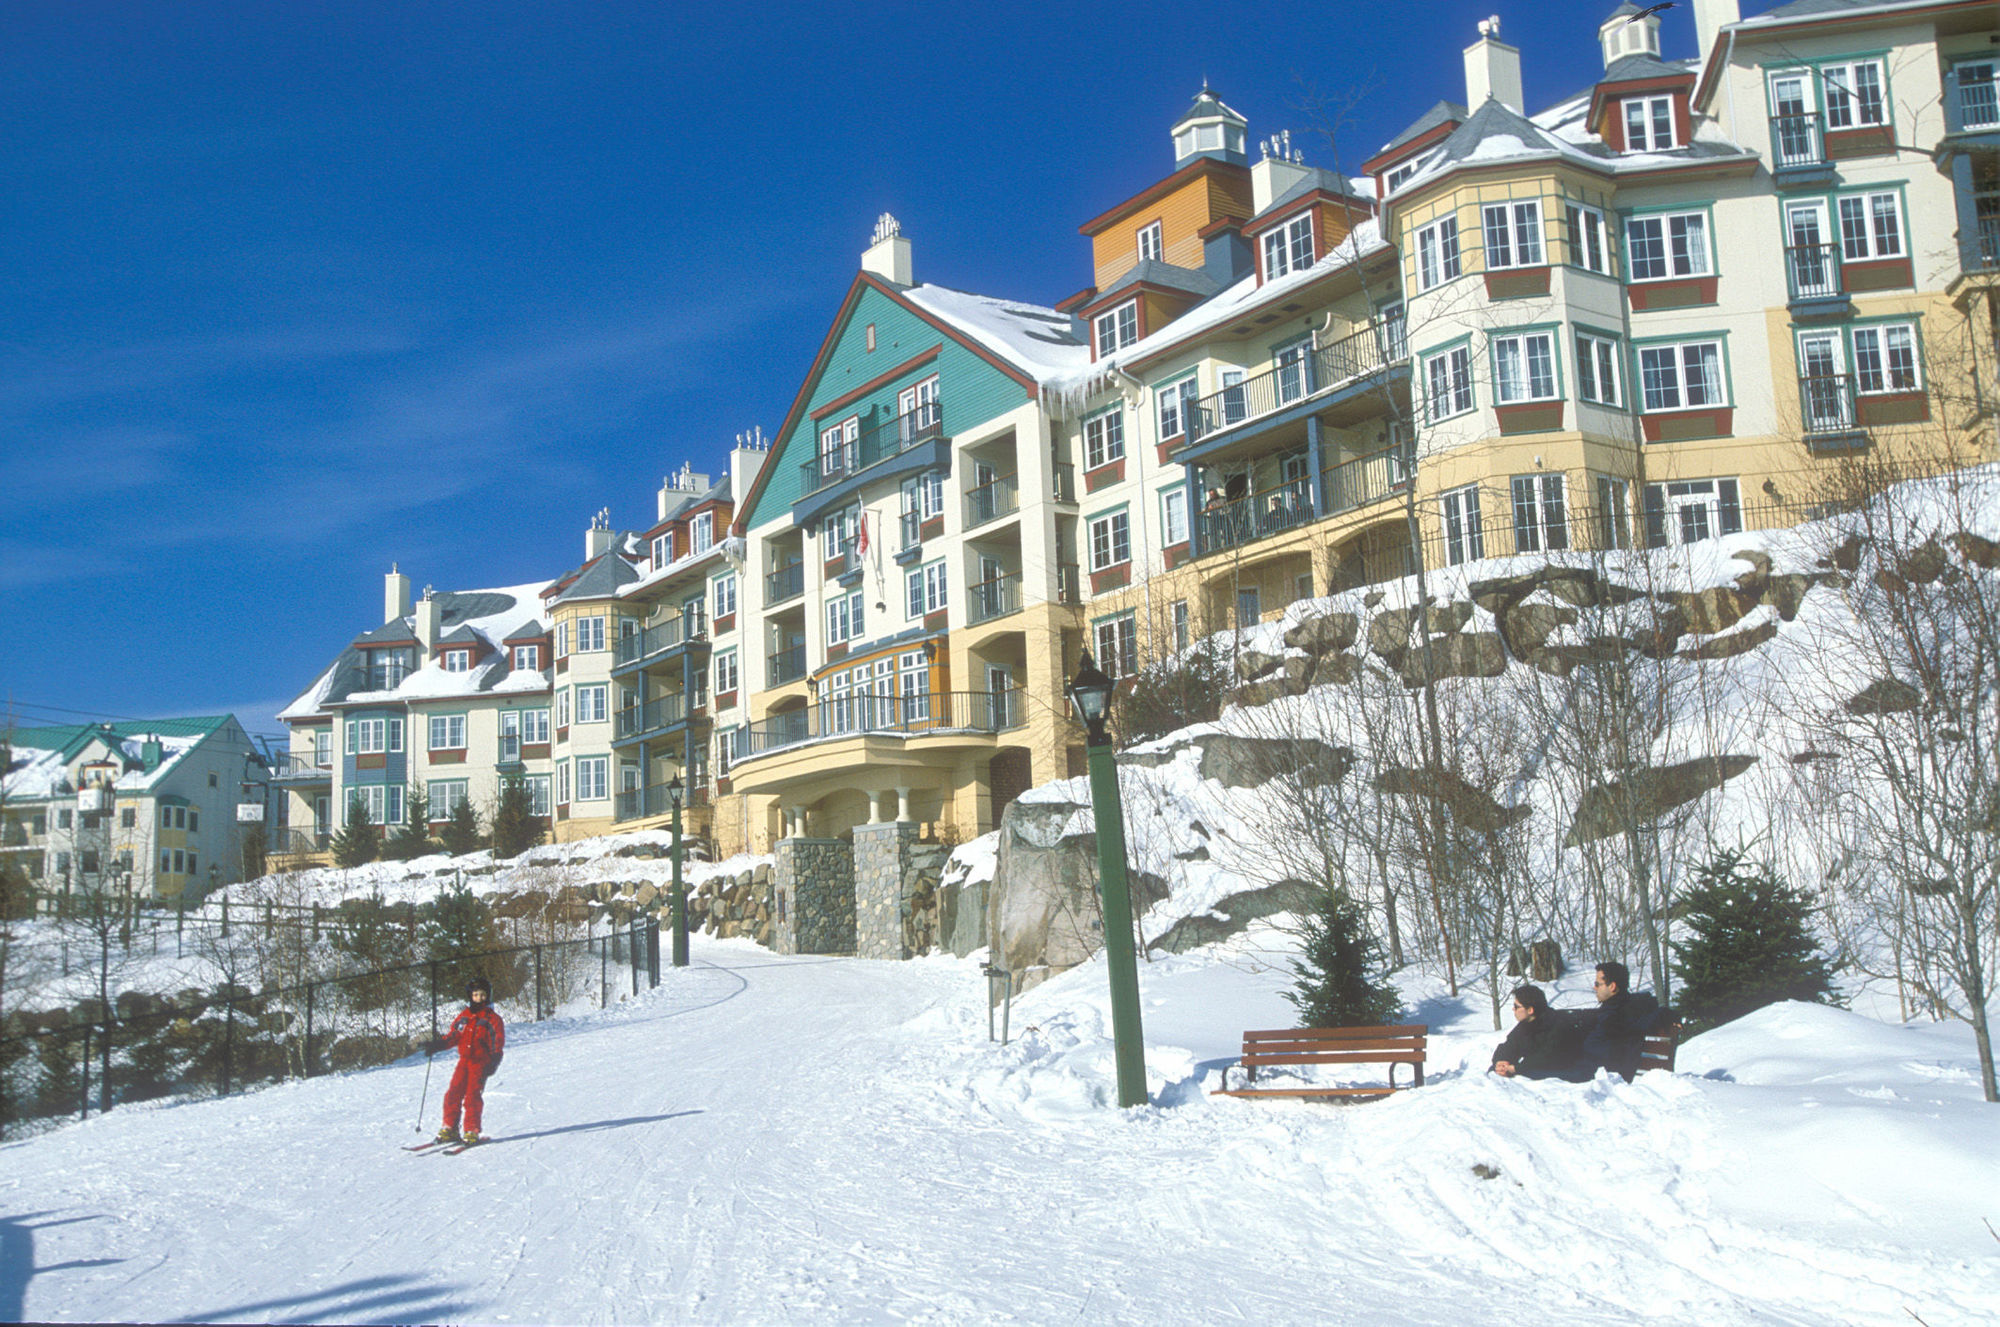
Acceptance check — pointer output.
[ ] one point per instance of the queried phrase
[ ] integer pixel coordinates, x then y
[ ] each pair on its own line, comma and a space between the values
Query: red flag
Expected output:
861, 538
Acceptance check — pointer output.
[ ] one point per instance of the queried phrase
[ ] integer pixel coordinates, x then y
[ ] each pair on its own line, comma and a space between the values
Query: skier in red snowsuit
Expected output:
481, 1038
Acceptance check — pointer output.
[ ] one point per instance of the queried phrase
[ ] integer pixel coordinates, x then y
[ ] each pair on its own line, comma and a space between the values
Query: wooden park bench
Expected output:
1335, 1046
1658, 1052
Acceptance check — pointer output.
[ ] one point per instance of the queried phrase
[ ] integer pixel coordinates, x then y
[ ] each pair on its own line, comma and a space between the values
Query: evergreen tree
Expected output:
412, 838
256, 845
1749, 943
461, 833
516, 828
455, 929
1336, 965
360, 842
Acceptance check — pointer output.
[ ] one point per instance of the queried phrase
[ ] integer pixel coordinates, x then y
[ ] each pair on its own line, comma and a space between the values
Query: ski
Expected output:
421, 1147
456, 1148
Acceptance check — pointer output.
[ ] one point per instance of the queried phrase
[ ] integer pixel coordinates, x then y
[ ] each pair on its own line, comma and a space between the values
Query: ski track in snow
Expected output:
830, 1140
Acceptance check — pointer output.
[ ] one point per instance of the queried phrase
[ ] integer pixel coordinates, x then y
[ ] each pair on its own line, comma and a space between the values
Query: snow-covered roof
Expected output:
1034, 339
41, 758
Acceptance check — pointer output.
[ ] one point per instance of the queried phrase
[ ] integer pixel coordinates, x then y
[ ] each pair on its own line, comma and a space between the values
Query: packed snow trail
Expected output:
832, 1140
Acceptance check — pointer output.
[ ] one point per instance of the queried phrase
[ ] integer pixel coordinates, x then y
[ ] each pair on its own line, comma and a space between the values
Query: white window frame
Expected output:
443, 796
1589, 238
728, 671
1871, 226
1110, 540
701, 532
1513, 234
562, 707
1448, 394
1104, 438
844, 621
1462, 522
1881, 366
1438, 256
458, 660
837, 532
1655, 120
1534, 376
1174, 516
593, 778
1597, 372
1541, 513
838, 445
916, 407
725, 595
447, 732
539, 795
926, 589
1149, 242
1288, 246
1114, 329
535, 727
1614, 512
663, 549
1681, 247
562, 640
1117, 641
590, 638
1681, 368
1843, 95
527, 658
562, 783
1170, 403
593, 702
1693, 510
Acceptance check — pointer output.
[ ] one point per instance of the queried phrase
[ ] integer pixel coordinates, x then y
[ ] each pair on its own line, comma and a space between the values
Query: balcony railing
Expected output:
1826, 404
644, 803
1813, 271
995, 598
652, 717
892, 716
1989, 242
844, 461
991, 501
1797, 140
787, 665
671, 634
1069, 583
786, 583
297, 842
301, 767
1287, 506
1065, 485
1375, 347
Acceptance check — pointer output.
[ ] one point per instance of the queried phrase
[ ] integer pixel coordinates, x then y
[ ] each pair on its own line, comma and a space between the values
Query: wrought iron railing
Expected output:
995, 598
1069, 583
990, 501
641, 646
847, 459
1287, 506
1065, 482
1826, 403
1376, 346
653, 716
1813, 270
786, 583
860, 714
1989, 241
295, 766
1797, 139
787, 665
658, 800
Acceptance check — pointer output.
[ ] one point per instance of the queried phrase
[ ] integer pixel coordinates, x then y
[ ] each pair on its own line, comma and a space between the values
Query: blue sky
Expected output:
294, 291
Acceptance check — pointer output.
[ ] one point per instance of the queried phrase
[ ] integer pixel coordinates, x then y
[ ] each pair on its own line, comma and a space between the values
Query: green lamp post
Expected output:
680, 893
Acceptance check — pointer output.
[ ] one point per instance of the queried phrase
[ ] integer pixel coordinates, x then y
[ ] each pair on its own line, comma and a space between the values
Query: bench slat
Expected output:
1388, 1044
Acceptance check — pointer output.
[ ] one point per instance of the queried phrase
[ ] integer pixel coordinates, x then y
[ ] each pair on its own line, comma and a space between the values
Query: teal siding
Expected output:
970, 390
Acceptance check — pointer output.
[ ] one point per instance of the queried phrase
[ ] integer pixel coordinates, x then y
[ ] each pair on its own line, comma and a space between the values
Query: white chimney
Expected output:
1710, 17
395, 595
1493, 70
1279, 168
888, 255
597, 539
427, 621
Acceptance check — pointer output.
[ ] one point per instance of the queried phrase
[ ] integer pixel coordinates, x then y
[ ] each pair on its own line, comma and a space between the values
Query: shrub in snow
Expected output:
1185, 689
1749, 943
1336, 967
461, 833
515, 825
360, 842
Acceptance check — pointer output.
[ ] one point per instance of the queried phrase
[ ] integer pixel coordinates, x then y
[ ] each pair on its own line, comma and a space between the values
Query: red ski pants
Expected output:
467, 1083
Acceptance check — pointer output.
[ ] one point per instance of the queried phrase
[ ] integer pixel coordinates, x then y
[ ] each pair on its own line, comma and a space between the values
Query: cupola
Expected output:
1629, 31
1210, 129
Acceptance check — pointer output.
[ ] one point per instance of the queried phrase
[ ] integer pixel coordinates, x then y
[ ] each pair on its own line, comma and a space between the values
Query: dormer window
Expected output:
1150, 246
457, 661
1649, 124
663, 549
1117, 328
1395, 178
701, 532
1288, 248
527, 658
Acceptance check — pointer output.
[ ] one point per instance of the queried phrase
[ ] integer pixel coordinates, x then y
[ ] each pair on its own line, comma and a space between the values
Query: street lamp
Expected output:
680, 894
1090, 695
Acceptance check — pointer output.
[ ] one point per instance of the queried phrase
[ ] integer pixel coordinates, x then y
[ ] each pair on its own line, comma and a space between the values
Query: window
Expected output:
1649, 124
322, 739
1464, 540
1681, 377
925, 588
457, 661
701, 532
370, 737
1294, 371
1118, 328
839, 447
382, 802
1614, 513
562, 640
593, 778
1288, 248
593, 703
562, 708
1871, 226
1173, 401
1695, 509
538, 794
1174, 517
527, 658
1397, 175
843, 618
728, 676
1437, 253
1118, 645
562, 783
1524, 367
1448, 383
1854, 94
1596, 369
1663, 247
1885, 358
1177, 619
728, 743
1110, 541
724, 588
589, 634
1587, 246
535, 727
663, 549
1513, 234
1541, 519
444, 797
913, 676
1104, 438
447, 732
128, 817
1978, 99
1150, 247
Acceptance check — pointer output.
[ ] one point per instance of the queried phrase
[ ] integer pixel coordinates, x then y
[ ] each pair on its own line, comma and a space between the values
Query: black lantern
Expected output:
674, 790
1090, 695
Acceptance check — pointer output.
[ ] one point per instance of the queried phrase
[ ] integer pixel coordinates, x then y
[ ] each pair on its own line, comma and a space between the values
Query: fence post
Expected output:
604, 972
228, 1037
104, 1067
538, 983
634, 947
83, 1104
309, 1022
434, 999
652, 953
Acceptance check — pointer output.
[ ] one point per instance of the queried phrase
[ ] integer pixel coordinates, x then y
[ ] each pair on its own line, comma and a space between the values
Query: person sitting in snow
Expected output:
481, 1038
1540, 1046
1616, 1037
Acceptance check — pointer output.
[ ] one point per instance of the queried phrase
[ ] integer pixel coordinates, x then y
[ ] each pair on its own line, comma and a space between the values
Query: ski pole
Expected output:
426, 1098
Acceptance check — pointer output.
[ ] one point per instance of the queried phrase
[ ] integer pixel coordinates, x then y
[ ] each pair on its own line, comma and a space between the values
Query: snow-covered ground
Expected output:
769, 1139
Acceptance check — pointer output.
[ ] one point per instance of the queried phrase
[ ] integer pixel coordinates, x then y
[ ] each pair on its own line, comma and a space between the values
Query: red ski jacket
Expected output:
479, 1034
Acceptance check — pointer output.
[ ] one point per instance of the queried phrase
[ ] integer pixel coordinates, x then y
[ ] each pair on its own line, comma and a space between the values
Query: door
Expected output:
1810, 260
999, 697
1794, 125
1235, 408
1823, 389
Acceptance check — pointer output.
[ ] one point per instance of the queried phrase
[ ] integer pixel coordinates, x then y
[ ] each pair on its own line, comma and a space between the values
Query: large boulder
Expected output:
1323, 633
1474, 809
1526, 627
1730, 644
1645, 795
1251, 762
1042, 911
1233, 914
1468, 654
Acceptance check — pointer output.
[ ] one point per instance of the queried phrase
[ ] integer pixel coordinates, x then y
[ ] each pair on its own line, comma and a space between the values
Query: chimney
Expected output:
1710, 17
427, 621
597, 539
395, 595
150, 753
1493, 70
1280, 167
888, 254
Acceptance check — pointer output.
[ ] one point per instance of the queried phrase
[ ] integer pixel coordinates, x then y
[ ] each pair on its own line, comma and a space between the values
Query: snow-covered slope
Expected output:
767, 1139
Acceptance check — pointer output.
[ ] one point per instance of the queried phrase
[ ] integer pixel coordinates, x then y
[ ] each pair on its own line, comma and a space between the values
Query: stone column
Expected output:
881, 854
813, 897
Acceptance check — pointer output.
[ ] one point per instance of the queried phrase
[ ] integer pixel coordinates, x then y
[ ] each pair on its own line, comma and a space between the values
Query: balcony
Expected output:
1069, 583
1350, 362
991, 501
924, 424
1065, 483
655, 717
1273, 511
1827, 413
1987, 239
1798, 149
869, 715
1813, 277
645, 803
296, 767
993, 599
785, 584
654, 644
787, 665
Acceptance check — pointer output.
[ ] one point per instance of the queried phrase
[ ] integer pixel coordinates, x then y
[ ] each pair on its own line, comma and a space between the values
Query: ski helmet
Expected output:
479, 984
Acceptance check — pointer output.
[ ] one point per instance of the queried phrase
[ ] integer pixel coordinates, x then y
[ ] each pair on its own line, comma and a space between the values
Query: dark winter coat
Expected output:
1617, 1038
479, 1034
1539, 1047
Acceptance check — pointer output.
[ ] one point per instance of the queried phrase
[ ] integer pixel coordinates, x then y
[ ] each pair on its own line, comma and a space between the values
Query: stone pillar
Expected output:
881, 852
902, 804
812, 897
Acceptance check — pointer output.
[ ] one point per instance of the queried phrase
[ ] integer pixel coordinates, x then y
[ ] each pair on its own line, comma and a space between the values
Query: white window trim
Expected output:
597, 789
1117, 642
1440, 257
725, 595
600, 712
1523, 238
1117, 526
1886, 371
1869, 247
1151, 237
1287, 247
447, 726
1100, 446
1463, 399
728, 672
1838, 83
1666, 220
1174, 516
1597, 369
1462, 524
1649, 122
1589, 237
1170, 404
1540, 511
1121, 322
1679, 365
1523, 340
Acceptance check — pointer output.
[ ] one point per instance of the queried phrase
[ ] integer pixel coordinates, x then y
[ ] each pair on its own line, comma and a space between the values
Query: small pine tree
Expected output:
1749, 943
455, 928
1336, 965
256, 846
516, 828
412, 838
461, 833
360, 842
1185, 689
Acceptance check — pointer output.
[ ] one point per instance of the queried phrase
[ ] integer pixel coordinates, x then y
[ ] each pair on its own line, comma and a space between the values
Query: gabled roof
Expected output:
1166, 276
601, 577
1442, 113
533, 629
1646, 69
1208, 106
461, 635
476, 616
395, 632
42, 756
